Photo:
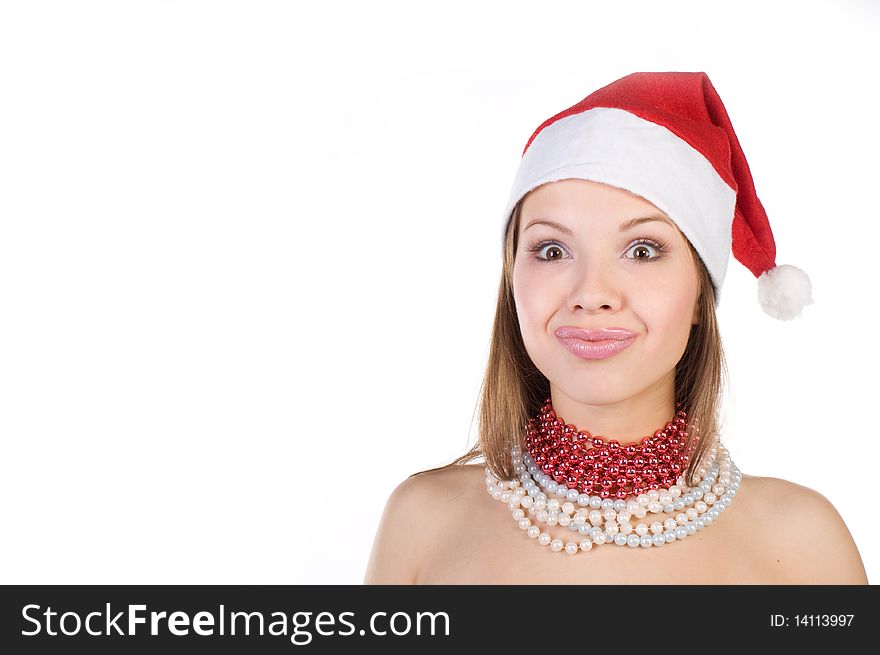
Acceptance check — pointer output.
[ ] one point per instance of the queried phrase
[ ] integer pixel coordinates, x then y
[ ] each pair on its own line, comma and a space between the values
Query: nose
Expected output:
595, 286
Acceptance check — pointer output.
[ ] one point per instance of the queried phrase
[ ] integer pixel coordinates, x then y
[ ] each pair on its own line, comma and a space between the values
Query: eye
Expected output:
643, 249
552, 248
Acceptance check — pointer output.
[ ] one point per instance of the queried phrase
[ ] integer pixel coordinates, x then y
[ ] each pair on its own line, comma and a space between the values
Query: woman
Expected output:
599, 420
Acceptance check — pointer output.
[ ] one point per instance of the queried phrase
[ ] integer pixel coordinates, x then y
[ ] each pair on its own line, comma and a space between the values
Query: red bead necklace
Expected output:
605, 468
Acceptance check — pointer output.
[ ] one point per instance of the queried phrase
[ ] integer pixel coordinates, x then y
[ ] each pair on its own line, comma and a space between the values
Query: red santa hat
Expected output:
667, 137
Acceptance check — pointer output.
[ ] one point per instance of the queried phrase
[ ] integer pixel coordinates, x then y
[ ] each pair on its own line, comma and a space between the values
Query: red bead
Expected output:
593, 464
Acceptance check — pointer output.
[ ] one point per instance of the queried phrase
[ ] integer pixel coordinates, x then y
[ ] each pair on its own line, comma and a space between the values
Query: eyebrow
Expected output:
623, 228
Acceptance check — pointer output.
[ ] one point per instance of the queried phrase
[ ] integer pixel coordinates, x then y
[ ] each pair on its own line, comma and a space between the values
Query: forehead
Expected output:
569, 207
585, 197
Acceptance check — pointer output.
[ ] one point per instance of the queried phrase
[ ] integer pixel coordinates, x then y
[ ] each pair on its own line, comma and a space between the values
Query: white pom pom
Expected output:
784, 291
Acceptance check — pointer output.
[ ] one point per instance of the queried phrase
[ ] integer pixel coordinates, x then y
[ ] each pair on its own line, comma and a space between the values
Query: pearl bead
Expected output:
610, 520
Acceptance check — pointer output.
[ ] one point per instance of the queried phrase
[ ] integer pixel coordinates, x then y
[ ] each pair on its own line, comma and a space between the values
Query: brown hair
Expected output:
514, 390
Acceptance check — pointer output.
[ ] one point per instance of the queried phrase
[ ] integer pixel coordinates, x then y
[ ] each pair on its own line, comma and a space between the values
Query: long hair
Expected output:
514, 390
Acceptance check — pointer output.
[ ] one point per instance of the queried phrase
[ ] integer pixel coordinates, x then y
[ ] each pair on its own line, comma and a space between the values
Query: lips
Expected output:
595, 344
603, 334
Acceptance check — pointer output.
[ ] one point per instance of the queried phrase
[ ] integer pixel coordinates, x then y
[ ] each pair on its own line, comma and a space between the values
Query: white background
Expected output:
249, 254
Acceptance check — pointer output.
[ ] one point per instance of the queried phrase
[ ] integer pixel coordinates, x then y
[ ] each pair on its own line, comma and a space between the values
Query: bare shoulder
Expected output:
414, 515
809, 538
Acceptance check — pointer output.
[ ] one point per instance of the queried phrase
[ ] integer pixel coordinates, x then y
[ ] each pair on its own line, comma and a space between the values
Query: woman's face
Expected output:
596, 275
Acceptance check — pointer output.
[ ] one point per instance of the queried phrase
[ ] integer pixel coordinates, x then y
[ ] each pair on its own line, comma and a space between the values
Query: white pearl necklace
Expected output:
609, 520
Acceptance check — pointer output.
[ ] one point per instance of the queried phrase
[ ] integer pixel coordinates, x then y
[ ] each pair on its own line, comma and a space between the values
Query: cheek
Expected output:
534, 302
671, 312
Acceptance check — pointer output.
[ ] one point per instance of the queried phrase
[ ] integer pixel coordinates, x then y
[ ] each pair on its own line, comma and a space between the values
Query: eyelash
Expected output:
660, 246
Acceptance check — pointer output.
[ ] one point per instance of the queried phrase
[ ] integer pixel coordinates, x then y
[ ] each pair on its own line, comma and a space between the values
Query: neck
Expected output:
628, 420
